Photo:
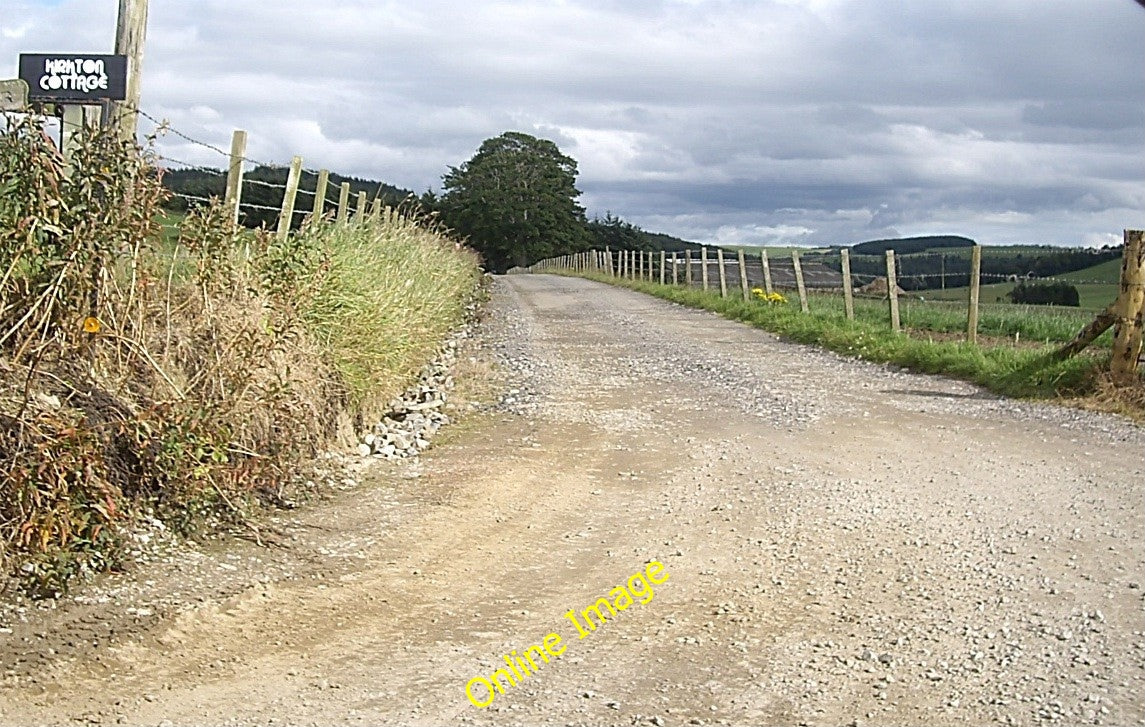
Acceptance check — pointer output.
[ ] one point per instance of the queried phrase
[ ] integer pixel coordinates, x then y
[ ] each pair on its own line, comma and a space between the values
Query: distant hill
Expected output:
668, 243
908, 245
1106, 272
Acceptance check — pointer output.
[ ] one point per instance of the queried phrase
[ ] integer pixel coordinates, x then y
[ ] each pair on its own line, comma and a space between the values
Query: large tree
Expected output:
516, 201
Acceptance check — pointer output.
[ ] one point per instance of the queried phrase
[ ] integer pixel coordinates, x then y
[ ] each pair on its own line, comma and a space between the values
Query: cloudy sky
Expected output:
728, 121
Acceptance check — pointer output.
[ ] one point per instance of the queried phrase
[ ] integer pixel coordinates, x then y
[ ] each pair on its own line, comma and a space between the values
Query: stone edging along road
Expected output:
839, 543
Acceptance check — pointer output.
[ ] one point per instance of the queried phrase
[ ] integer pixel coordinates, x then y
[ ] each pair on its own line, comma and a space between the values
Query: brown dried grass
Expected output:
135, 380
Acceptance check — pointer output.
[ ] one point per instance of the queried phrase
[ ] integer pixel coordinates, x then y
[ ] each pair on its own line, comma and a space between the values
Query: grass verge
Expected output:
1018, 372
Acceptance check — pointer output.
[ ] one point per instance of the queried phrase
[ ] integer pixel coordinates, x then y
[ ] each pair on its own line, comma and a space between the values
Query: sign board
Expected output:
13, 95
74, 78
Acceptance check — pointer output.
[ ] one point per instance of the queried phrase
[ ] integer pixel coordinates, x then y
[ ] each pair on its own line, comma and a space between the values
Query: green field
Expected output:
1106, 272
1097, 287
1021, 323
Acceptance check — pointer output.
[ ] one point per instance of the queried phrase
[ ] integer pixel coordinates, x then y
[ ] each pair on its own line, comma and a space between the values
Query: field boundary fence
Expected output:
826, 279
306, 193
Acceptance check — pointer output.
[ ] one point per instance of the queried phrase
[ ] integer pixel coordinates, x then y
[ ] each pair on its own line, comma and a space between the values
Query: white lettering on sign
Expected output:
74, 74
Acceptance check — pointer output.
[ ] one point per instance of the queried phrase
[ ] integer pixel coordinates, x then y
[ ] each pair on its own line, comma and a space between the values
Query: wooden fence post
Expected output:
235, 175
848, 294
742, 275
675, 269
1130, 310
975, 283
71, 131
360, 217
376, 208
286, 214
344, 203
688, 267
663, 258
799, 282
723, 274
892, 291
704, 267
319, 208
130, 38
608, 260
766, 272
91, 117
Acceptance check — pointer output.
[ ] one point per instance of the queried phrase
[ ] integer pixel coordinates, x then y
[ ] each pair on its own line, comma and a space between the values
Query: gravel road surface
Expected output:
844, 544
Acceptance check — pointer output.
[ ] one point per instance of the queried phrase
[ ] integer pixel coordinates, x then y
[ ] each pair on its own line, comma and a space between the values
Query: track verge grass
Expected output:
1016, 372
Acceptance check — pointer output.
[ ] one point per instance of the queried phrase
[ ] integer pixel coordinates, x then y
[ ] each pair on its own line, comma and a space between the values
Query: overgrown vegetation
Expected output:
191, 382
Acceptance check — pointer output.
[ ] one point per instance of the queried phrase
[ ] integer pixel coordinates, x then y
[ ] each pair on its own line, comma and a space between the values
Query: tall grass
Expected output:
191, 376
391, 291
1029, 323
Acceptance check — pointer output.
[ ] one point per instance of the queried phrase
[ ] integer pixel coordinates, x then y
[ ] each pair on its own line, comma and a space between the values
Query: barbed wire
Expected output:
194, 198
164, 126
242, 206
190, 165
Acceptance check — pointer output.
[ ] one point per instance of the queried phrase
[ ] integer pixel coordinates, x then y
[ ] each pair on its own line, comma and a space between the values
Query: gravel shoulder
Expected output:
845, 544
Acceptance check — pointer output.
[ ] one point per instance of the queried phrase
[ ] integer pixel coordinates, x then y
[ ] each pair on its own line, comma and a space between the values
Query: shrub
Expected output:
1050, 293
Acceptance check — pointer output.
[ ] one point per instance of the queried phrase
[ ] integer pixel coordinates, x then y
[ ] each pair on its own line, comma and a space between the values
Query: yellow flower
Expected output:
91, 325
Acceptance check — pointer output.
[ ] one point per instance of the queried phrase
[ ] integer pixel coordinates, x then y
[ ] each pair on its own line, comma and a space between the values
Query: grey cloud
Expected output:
715, 119
1107, 115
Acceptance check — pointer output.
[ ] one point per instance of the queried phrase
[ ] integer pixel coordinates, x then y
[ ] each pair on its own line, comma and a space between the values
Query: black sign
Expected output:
75, 78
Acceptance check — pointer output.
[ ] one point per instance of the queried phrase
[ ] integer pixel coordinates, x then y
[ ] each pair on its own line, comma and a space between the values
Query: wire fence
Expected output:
261, 194
816, 284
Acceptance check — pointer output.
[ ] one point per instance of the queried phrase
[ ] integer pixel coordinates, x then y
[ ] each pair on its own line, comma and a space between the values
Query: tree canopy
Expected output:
516, 201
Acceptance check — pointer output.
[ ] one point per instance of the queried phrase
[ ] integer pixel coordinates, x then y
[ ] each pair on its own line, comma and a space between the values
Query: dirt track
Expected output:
844, 543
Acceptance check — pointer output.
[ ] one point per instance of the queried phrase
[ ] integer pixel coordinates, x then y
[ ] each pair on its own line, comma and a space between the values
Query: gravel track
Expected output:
846, 544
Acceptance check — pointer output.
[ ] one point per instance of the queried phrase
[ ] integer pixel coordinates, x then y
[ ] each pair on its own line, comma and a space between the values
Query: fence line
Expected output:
1128, 311
237, 179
